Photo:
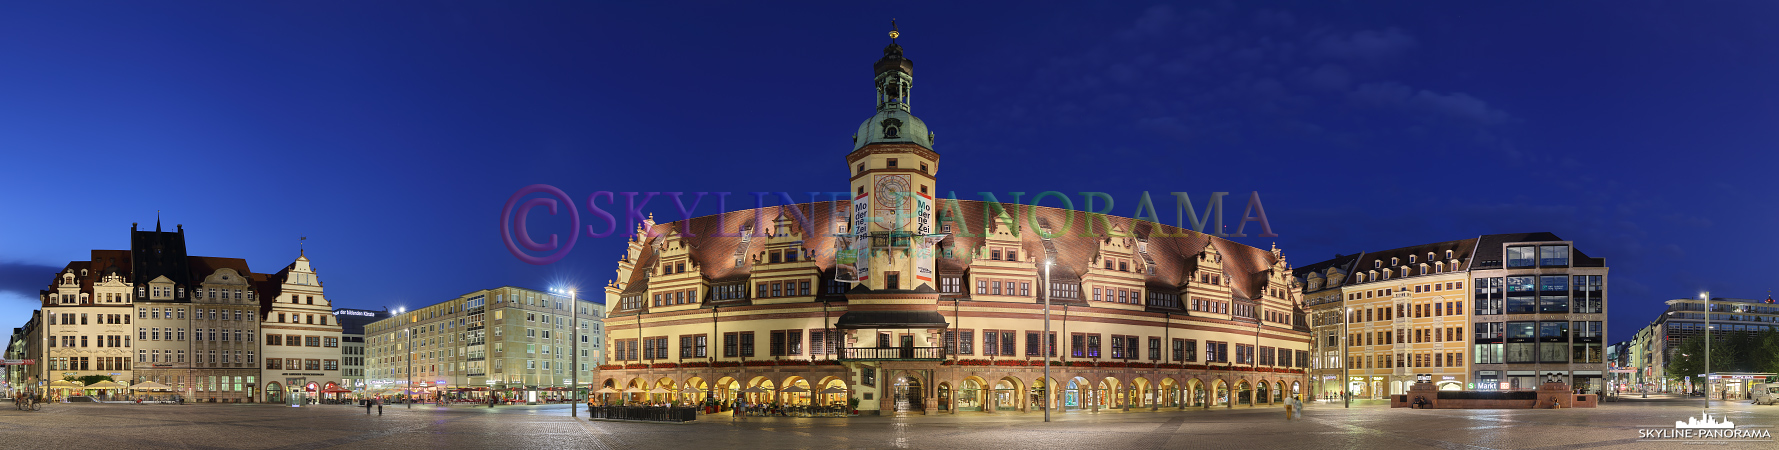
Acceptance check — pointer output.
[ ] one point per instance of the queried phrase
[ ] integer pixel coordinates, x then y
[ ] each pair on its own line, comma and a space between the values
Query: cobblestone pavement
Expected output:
1367, 425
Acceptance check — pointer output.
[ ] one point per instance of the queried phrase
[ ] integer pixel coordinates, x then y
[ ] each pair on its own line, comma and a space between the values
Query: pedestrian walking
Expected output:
379, 408
367, 407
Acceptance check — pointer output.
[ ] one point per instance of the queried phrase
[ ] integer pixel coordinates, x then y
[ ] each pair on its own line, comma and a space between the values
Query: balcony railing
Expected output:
893, 353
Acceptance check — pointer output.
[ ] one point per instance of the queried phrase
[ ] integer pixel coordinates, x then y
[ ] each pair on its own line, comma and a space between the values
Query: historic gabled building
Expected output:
910, 302
154, 313
302, 341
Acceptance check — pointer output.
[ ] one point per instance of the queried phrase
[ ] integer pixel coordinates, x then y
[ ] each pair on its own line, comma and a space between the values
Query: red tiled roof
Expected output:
1173, 250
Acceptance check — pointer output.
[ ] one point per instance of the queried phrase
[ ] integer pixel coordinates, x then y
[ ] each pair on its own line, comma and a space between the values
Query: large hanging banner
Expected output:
846, 259
923, 214
923, 256
861, 244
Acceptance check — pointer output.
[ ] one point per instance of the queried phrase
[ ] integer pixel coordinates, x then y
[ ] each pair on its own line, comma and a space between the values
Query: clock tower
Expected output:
893, 168
890, 222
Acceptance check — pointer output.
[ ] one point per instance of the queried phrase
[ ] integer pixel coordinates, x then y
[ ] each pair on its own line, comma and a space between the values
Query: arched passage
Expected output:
665, 391
727, 389
910, 394
1244, 393
1170, 393
970, 395
1141, 393
1218, 394
1008, 395
1075, 393
696, 391
831, 391
1110, 393
796, 391
1041, 396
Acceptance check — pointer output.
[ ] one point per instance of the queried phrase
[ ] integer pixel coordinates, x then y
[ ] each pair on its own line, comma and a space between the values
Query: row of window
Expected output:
302, 341
1527, 256
303, 364
987, 286
1539, 352
782, 289
178, 356
1090, 345
1546, 294
1417, 360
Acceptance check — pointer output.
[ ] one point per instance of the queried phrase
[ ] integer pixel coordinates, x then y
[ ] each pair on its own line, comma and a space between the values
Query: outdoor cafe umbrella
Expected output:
660, 391
796, 389
64, 384
691, 390
833, 390
753, 390
107, 384
151, 386
606, 390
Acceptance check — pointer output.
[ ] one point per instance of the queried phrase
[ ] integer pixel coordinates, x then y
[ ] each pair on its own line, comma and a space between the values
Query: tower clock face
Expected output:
892, 191
892, 202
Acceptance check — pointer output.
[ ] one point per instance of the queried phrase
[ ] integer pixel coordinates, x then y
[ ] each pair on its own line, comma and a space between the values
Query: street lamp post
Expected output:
574, 352
1345, 359
1048, 389
1706, 296
408, 390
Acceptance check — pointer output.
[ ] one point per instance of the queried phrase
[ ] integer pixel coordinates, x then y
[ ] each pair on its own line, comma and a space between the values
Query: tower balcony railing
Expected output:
892, 353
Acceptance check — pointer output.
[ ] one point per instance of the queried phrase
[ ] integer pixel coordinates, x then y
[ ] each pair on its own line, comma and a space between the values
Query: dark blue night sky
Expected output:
391, 134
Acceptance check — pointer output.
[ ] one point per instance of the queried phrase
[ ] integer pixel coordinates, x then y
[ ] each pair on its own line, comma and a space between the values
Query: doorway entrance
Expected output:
908, 395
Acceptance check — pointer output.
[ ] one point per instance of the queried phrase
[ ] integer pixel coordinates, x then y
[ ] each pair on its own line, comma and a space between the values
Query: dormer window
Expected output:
1377, 264
1411, 259
1448, 254
1394, 262
892, 128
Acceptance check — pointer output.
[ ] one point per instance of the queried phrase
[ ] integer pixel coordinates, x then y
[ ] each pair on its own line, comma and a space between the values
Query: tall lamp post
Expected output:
574, 351
1049, 390
408, 387
1345, 358
1706, 296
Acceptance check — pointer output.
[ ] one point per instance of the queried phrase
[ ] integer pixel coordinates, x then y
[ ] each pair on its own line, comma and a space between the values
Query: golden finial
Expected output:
893, 33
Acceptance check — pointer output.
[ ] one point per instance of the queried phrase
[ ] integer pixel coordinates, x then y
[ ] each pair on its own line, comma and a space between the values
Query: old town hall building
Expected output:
905, 302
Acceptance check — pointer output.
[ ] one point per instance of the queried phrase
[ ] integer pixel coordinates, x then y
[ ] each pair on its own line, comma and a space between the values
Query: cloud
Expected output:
1154, 21
1457, 105
1365, 45
25, 279
1327, 77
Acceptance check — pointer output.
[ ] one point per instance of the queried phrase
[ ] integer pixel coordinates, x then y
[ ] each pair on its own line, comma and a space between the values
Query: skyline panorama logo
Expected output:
517, 237
1706, 428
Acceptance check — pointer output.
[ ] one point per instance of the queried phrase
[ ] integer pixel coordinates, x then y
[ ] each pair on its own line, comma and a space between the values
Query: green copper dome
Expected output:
893, 126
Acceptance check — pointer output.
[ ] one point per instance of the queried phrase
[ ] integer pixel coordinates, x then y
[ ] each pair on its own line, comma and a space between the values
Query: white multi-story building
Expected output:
302, 341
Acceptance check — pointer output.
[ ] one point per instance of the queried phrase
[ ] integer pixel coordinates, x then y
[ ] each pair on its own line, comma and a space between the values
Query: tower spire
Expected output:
894, 33
300, 245
157, 220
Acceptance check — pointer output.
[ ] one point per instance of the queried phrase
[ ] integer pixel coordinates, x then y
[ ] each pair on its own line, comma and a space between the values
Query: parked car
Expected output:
1766, 394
